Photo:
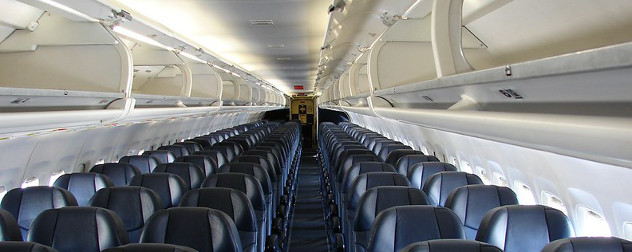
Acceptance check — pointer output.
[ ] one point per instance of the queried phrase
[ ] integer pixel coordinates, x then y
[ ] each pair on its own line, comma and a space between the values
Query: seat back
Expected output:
450, 245
119, 173
134, 204
405, 163
396, 154
419, 173
472, 202
170, 187
242, 182
398, 227
350, 161
189, 172
227, 151
78, 229
9, 229
441, 184
150, 247
263, 162
145, 164
163, 156
588, 244
208, 164
251, 169
370, 180
233, 203
362, 168
177, 150
200, 228
20, 246
192, 146
26, 203
83, 185
523, 228
219, 156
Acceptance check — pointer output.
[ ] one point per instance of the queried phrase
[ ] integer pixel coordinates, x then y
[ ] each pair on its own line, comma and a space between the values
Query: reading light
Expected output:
133, 35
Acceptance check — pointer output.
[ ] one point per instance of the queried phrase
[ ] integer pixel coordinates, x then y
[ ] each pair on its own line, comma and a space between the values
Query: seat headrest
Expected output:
145, 164
230, 201
377, 199
394, 156
370, 180
200, 228
191, 173
413, 224
83, 185
242, 182
450, 245
441, 184
472, 202
405, 163
361, 168
9, 229
78, 229
252, 169
119, 173
208, 164
523, 228
419, 173
170, 187
587, 244
20, 246
219, 156
163, 156
177, 150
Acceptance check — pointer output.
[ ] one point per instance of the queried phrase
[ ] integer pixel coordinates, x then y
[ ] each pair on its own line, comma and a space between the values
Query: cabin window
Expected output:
100, 161
3, 191
524, 193
55, 176
465, 167
30, 182
499, 179
592, 223
627, 230
140, 152
553, 201
451, 160
482, 173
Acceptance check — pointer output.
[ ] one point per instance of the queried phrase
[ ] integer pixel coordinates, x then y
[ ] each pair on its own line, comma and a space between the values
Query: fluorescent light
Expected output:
192, 57
220, 68
236, 75
133, 35
68, 10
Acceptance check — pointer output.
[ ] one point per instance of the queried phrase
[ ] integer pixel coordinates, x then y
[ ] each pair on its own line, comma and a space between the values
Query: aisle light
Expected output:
192, 57
128, 33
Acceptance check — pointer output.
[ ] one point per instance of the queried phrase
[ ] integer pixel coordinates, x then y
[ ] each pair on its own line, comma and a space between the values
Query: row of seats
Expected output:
164, 196
384, 196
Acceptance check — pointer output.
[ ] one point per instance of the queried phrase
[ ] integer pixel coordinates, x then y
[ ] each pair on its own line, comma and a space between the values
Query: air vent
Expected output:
276, 46
261, 22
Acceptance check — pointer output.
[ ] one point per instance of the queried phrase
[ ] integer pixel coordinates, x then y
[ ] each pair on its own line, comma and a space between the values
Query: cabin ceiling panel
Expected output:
232, 30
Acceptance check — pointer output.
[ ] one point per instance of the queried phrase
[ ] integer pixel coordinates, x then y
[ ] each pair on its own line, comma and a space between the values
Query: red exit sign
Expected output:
298, 87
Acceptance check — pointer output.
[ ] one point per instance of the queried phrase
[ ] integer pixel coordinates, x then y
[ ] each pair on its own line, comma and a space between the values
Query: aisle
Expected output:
307, 230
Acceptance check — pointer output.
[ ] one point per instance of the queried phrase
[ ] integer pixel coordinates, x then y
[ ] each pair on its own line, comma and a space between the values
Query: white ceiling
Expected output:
224, 28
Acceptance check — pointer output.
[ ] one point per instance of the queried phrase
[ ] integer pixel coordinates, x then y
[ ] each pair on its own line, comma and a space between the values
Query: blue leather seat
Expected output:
134, 204
445, 245
394, 156
373, 202
236, 205
405, 163
589, 244
189, 172
145, 164
355, 171
150, 247
120, 173
400, 226
523, 228
208, 164
258, 173
26, 203
177, 150
9, 229
19, 246
192, 146
170, 187
419, 173
200, 228
78, 229
389, 148
227, 151
440, 185
472, 202
83, 185
163, 156
219, 156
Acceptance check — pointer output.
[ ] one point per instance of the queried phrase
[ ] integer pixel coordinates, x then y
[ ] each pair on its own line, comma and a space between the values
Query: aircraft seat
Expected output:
219, 156
134, 204
523, 228
405, 163
443, 245
440, 185
9, 228
83, 185
170, 187
177, 150
191, 173
373, 202
200, 228
208, 164
237, 206
120, 173
398, 227
589, 244
419, 173
26, 203
145, 164
472, 202
192, 146
150, 247
78, 229
20, 246
163, 156
387, 149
